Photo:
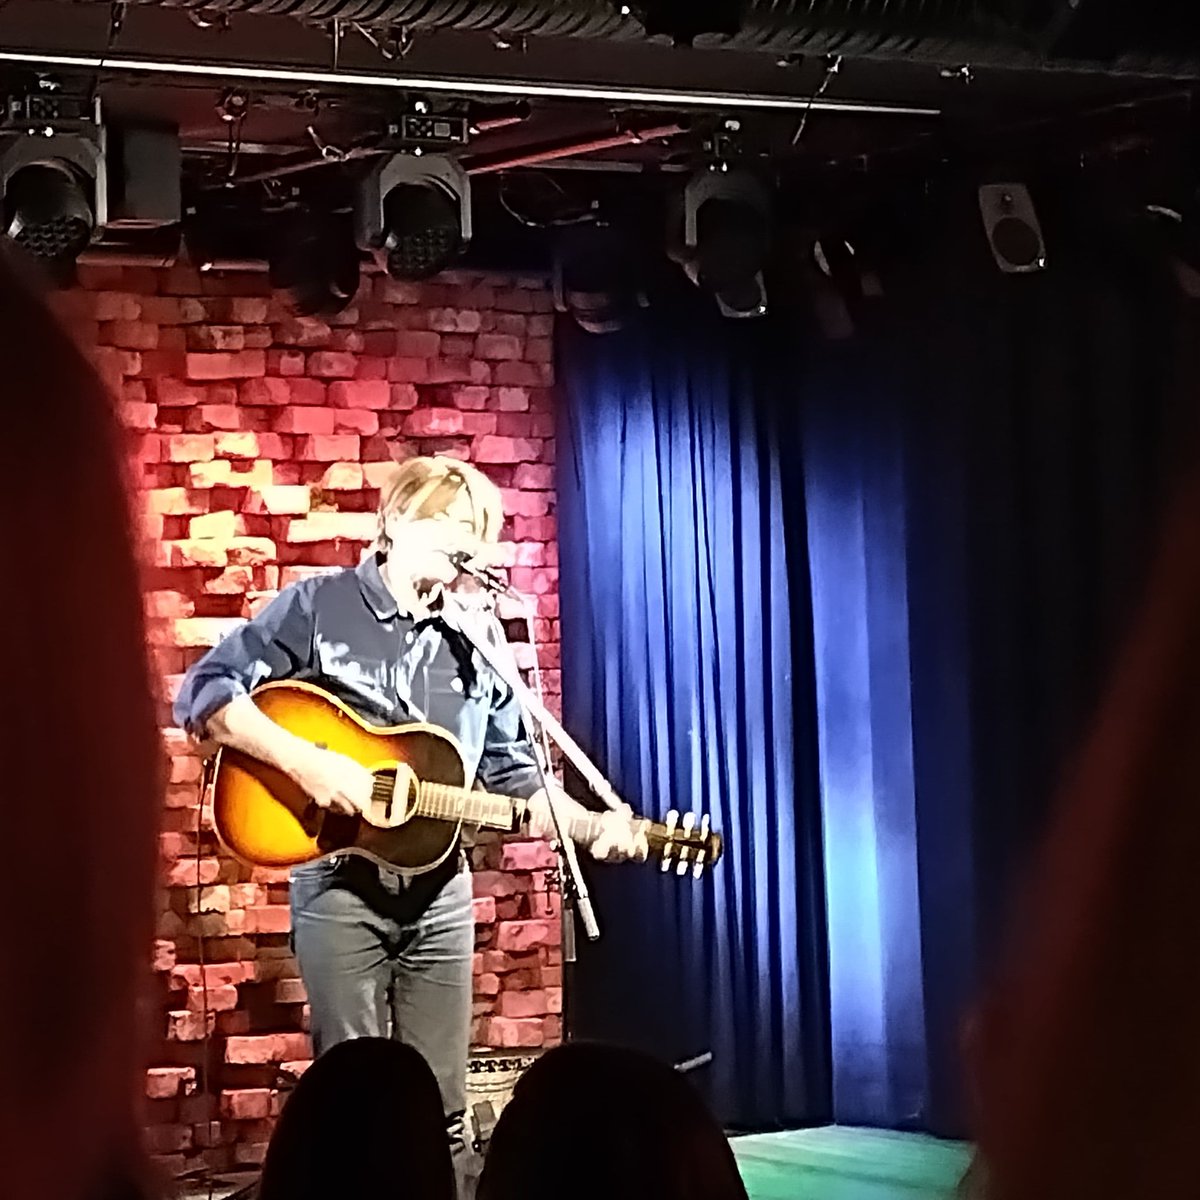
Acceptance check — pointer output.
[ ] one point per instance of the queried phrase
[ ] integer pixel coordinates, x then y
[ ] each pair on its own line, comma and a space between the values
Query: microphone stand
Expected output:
574, 890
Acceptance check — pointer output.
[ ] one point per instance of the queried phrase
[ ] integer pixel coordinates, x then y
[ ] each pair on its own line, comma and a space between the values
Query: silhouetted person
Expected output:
603, 1121
81, 762
1086, 1055
365, 1122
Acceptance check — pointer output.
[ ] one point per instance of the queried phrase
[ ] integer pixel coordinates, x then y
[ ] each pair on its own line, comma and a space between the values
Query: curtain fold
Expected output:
680, 668
857, 599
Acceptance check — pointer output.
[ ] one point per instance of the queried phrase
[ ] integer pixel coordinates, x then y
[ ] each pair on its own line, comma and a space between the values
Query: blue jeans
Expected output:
379, 959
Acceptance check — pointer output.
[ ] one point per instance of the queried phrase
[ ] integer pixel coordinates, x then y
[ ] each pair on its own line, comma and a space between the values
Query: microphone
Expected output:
466, 565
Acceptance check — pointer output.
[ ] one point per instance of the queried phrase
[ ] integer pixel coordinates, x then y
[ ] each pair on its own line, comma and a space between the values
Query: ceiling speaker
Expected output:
1012, 228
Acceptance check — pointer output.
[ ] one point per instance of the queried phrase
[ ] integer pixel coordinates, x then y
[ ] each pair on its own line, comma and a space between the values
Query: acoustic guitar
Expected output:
419, 802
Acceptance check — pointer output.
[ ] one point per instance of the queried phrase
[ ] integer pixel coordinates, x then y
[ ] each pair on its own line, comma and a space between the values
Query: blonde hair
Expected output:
423, 486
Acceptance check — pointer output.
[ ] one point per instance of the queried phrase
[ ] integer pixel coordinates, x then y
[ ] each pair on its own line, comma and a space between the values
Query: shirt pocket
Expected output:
373, 679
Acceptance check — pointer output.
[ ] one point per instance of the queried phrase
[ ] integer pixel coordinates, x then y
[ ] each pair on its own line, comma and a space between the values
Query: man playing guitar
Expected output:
388, 953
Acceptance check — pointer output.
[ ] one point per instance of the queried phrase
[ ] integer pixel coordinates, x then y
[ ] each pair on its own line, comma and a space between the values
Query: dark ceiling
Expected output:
336, 85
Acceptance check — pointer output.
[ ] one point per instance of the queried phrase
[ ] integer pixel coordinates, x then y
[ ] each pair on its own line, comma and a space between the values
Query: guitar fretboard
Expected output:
449, 803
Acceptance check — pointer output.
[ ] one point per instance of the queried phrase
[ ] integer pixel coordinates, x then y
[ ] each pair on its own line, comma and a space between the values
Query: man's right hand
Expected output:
334, 781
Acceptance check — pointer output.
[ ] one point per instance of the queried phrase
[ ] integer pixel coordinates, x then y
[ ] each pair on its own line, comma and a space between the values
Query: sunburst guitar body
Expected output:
419, 802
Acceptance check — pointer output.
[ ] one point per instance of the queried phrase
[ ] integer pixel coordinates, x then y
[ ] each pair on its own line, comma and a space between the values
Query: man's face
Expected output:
421, 546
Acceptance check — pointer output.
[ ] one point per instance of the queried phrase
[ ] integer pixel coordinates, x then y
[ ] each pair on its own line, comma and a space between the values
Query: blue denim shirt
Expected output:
345, 633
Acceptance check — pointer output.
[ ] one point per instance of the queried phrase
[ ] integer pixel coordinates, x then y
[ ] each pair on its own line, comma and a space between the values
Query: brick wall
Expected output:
258, 444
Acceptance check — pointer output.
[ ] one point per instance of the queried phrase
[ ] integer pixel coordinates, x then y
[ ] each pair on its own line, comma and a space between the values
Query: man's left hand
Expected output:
621, 837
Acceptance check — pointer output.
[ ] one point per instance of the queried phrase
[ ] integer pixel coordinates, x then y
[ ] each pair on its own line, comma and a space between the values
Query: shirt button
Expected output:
456, 685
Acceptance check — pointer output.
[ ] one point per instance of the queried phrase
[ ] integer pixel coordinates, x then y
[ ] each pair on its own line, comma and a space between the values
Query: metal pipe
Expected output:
300, 76
568, 148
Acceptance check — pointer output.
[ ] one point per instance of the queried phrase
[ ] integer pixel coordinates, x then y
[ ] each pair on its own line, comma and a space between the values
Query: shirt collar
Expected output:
375, 592
379, 596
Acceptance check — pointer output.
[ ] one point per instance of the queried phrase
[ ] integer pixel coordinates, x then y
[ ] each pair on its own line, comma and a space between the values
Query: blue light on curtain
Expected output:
682, 675
856, 505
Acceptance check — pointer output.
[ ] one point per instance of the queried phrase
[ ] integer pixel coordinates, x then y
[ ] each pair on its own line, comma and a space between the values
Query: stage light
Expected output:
595, 278
414, 214
315, 261
726, 241
54, 190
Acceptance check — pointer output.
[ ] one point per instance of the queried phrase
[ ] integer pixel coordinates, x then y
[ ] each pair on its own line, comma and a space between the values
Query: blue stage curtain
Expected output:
687, 672
857, 598
985, 462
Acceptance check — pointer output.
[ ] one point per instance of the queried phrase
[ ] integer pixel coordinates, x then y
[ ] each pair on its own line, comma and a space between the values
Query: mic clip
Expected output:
490, 579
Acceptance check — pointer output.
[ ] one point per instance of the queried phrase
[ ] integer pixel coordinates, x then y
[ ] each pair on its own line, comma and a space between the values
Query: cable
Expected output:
832, 67
206, 779
530, 222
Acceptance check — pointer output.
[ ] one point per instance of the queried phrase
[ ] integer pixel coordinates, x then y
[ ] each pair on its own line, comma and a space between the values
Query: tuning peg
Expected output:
671, 821
689, 823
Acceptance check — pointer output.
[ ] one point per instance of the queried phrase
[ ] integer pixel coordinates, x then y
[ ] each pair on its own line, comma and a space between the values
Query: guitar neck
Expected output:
449, 803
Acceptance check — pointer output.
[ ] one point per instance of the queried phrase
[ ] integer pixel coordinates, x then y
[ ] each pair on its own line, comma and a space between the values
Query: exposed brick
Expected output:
219, 525
494, 449
522, 374
335, 447
290, 991
183, 1025
268, 918
170, 393
250, 445
308, 332
360, 393
131, 335
268, 391
343, 477
408, 370
279, 500
498, 346
164, 1082
244, 364
510, 1033
216, 337
534, 476
287, 363
524, 935
116, 306
331, 364
207, 418
415, 343
404, 396
353, 420
532, 1003
512, 399
267, 1048
330, 526
188, 448
434, 422
533, 855
308, 419
246, 1104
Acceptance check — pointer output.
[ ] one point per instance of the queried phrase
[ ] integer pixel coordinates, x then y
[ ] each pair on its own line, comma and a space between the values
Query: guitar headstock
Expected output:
685, 844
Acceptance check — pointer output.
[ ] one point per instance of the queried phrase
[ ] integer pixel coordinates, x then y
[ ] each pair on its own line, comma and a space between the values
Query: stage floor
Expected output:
834, 1163
838, 1163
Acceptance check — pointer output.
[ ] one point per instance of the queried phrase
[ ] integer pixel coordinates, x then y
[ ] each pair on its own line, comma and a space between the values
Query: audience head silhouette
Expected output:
82, 772
604, 1121
365, 1122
